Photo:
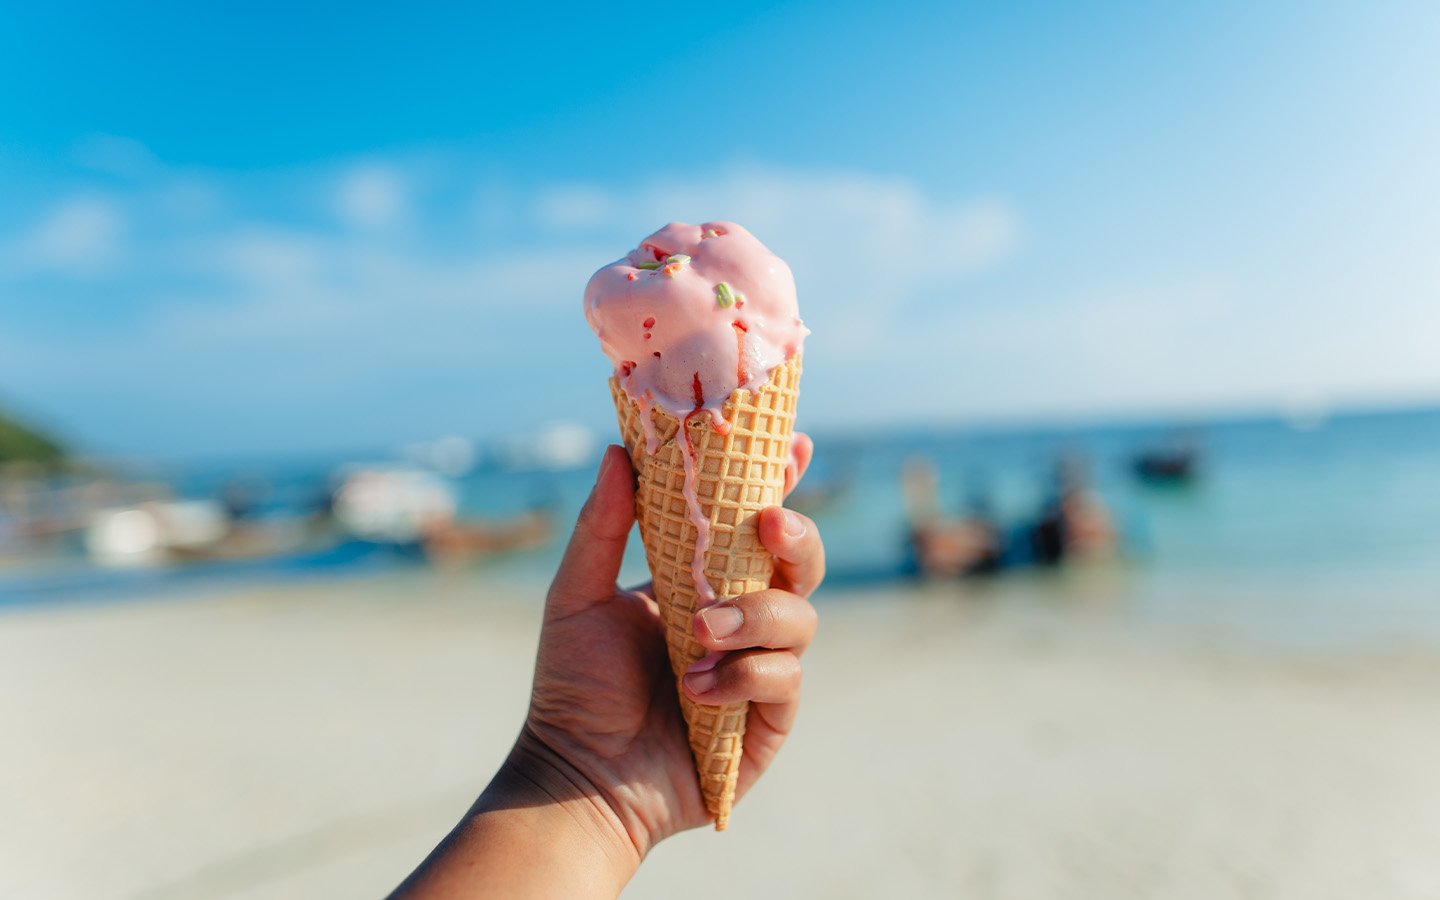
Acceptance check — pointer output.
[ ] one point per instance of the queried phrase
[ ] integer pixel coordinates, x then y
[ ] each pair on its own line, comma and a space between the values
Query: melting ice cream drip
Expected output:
647, 424
697, 513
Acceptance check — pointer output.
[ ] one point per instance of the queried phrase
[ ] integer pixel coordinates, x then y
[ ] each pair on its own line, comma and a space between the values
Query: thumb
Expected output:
592, 560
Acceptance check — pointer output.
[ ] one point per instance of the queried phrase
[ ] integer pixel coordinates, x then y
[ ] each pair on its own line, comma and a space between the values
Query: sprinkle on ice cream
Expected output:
692, 314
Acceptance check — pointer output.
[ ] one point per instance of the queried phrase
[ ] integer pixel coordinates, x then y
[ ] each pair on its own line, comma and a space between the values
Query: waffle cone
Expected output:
737, 475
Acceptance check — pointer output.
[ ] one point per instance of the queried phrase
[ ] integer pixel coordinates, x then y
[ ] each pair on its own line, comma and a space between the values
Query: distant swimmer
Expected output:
939, 545
1076, 523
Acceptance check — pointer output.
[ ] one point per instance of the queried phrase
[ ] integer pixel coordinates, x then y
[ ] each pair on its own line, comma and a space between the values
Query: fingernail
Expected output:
722, 621
794, 524
700, 682
702, 675
706, 662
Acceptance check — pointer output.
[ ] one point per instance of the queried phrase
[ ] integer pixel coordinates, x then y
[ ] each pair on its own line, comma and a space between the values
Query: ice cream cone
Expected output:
736, 474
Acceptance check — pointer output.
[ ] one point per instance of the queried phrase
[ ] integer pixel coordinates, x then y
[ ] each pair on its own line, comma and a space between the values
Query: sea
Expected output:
1324, 527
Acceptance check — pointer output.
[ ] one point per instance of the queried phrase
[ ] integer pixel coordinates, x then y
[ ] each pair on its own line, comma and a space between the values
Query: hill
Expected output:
21, 444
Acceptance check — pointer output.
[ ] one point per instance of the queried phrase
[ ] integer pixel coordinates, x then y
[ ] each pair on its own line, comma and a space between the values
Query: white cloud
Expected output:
871, 237
1133, 348
370, 196
81, 236
366, 309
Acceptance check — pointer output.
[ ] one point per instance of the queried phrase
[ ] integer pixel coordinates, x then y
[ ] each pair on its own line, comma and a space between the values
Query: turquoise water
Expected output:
1358, 495
1346, 513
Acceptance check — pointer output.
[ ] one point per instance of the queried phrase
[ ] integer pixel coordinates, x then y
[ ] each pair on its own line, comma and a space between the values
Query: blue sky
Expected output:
234, 229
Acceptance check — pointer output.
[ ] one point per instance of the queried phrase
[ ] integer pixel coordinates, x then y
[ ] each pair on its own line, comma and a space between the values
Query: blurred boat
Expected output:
1175, 463
466, 540
1166, 467
151, 532
411, 507
392, 503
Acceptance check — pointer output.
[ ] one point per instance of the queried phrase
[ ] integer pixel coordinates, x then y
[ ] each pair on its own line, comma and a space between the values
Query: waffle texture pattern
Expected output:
738, 474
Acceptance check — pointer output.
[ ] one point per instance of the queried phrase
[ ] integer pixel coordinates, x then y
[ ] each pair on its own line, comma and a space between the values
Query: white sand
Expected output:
315, 742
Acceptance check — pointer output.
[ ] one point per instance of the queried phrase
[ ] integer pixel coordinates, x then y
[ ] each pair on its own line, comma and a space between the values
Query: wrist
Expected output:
539, 830
544, 753
535, 772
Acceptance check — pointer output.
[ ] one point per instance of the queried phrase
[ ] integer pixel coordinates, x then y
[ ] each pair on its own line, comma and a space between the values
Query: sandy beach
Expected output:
316, 741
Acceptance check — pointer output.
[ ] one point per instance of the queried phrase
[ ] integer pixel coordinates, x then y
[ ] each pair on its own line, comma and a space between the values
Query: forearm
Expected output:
536, 832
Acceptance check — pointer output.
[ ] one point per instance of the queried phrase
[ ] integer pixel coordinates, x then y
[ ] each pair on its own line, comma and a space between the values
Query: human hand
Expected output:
604, 694
603, 764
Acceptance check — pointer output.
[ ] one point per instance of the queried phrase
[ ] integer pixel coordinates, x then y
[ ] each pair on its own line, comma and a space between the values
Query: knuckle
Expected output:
767, 609
779, 670
786, 672
795, 675
764, 617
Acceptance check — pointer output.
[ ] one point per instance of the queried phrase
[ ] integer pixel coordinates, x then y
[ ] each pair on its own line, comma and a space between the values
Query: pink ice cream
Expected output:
693, 313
